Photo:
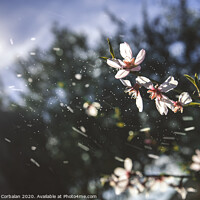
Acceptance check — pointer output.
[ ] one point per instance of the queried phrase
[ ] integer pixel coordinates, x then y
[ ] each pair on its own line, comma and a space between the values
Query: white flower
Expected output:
120, 179
162, 102
196, 161
159, 183
134, 92
183, 191
129, 63
91, 109
183, 99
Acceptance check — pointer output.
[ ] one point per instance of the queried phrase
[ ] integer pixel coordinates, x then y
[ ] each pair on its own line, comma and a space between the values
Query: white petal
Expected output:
128, 164
168, 85
120, 171
121, 74
126, 83
195, 167
168, 102
136, 69
185, 98
196, 159
140, 57
126, 51
143, 81
161, 107
139, 103
113, 63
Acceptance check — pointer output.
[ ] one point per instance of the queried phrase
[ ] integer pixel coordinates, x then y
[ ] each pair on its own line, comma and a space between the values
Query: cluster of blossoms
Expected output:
136, 182
130, 64
196, 161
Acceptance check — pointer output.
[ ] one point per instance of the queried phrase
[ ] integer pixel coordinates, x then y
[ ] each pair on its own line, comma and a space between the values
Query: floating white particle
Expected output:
33, 39
179, 133
7, 140
70, 109
30, 80
83, 129
19, 75
73, 83
119, 159
83, 147
75, 129
148, 147
153, 156
11, 41
10, 87
65, 162
189, 128
35, 162
187, 118
33, 148
56, 49
32, 53
169, 138
145, 129
78, 76
87, 85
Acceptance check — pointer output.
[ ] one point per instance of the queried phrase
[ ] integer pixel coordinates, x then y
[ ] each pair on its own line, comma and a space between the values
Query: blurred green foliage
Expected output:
70, 73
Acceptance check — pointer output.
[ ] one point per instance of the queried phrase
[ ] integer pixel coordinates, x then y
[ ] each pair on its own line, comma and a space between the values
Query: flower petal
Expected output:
168, 85
196, 159
195, 167
140, 57
121, 74
143, 81
126, 51
139, 102
126, 83
161, 107
136, 69
185, 98
114, 63
168, 102
120, 171
128, 164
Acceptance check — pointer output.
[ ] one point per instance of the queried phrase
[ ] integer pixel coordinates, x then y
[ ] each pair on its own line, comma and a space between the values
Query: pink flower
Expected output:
156, 92
196, 161
134, 92
183, 99
129, 63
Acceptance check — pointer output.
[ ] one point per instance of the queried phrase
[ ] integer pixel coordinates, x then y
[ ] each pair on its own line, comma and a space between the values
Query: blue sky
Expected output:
26, 24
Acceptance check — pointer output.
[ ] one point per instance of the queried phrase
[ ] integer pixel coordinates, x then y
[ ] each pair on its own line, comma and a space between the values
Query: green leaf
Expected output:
192, 81
197, 81
193, 104
103, 57
110, 48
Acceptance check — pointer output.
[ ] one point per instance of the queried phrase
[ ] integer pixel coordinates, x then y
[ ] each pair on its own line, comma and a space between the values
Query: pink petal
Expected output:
139, 103
120, 171
143, 81
121, 74
126, 83
128, 164
138, 68
125, 51
168, 85
113, 64
185, 98
140, 57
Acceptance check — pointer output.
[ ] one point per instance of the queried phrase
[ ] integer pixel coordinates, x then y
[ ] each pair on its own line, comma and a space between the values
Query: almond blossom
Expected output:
129, 63
91, 109
183, 191
196, 161
134, 92
156, 92
183, 99
120, 179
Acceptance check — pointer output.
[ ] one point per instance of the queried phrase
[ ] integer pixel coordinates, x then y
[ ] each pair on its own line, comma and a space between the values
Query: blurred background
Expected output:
53, 139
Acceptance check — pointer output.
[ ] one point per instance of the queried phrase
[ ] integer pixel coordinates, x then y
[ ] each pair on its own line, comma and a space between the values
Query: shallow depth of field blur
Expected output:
51, 72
